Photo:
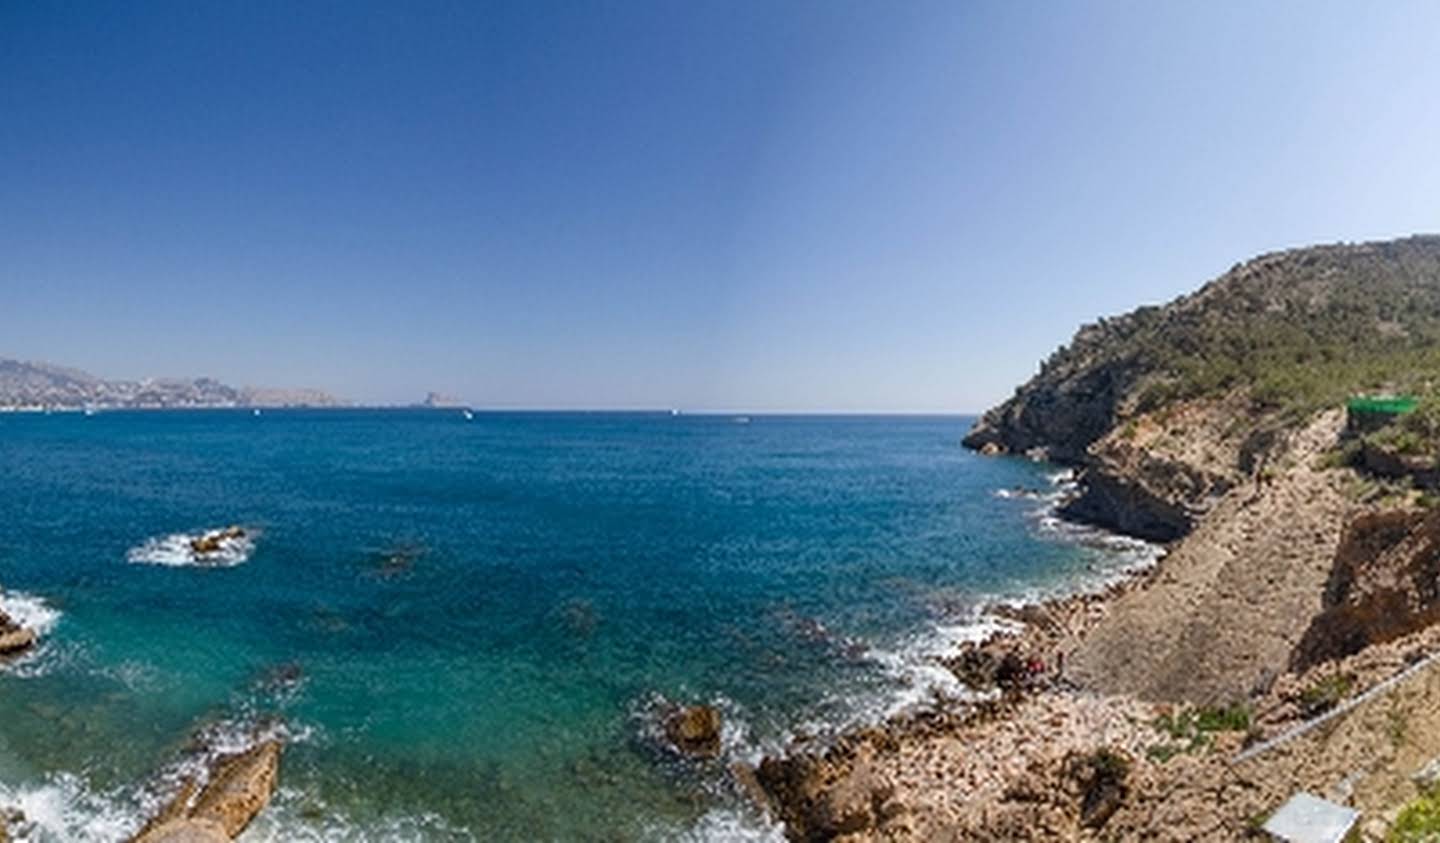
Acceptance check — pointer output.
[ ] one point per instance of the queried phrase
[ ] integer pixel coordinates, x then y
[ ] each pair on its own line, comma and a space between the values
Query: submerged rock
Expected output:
694, 730
394, 562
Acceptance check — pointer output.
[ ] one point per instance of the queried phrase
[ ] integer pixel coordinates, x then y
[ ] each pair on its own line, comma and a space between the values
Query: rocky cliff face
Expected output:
1272, 341
1074, 400
1385, 584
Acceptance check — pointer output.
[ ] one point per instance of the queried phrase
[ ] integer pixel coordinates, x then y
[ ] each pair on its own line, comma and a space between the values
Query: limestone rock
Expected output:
1385, 583
16, 641
694, 730
215, 541
240, 787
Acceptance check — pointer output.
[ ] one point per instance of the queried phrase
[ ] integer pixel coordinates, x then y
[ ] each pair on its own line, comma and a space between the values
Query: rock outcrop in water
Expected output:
211, 544
239, 787
694, 730
14, 638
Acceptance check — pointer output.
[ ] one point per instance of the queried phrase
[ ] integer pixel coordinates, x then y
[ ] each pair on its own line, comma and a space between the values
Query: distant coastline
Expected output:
43, 387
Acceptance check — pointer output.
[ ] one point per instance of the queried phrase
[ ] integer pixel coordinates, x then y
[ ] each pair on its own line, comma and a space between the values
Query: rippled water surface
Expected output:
466, 624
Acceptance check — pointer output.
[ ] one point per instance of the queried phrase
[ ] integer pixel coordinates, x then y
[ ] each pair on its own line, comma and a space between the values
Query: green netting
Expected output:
1396, 406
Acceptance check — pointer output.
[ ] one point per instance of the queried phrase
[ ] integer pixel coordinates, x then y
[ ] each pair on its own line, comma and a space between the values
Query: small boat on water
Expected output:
469, 416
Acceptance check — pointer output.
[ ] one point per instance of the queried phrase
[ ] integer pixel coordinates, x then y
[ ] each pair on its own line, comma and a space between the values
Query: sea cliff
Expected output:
1296, 577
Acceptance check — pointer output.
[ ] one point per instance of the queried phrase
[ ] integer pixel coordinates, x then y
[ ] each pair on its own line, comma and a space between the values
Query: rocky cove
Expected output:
1296, 578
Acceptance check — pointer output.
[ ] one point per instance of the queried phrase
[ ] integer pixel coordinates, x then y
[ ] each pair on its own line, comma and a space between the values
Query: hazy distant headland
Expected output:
43, 386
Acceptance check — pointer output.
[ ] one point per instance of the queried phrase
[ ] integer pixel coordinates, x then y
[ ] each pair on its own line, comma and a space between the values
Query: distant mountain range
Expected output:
29, 385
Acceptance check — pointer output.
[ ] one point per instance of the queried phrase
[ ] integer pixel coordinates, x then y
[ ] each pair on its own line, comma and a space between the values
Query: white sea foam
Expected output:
1117, 556
919, 681
61, 808
29, 611
724, 825
916, 680
178, 550
34, 613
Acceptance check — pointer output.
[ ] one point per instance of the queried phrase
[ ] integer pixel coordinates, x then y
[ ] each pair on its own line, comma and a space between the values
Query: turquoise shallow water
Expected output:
563, 570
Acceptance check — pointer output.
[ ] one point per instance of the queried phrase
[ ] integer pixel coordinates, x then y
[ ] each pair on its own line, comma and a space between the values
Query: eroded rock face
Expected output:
694, 730
1137, 491
1381, 462
1069, 405
1124, 504
1385, 583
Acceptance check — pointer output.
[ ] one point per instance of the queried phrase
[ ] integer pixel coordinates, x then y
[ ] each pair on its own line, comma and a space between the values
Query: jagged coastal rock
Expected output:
239, 787
215, 542
14, 638
694, 730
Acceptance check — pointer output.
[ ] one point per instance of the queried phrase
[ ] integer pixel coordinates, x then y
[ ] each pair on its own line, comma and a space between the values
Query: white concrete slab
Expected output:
1310, 819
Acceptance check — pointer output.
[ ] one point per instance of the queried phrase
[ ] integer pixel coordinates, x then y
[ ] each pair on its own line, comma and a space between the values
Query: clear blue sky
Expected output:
762, 205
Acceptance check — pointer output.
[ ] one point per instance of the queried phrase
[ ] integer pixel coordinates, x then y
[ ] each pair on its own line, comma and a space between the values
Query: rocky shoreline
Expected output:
1294, 612
1119, 715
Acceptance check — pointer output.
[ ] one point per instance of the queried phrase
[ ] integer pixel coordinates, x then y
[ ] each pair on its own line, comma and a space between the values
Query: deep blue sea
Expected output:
466, 627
